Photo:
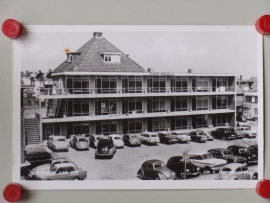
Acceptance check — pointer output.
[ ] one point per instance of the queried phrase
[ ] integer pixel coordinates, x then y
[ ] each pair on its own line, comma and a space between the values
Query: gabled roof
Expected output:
90, 59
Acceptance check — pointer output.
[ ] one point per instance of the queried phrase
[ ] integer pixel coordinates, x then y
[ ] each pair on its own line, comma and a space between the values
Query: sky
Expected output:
204, 51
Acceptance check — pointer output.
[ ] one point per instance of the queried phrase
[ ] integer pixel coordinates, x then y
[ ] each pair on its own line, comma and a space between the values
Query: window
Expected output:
159, 124
132, 105
202, 121
80, 107
158, 105
181, 104
132, 126
219, 102
80, 128
156, 84
181, 123
107, 127
106, 84
132, 84
179, 84
106, 106
221, 119
112, 58
77, 84
202, 103
256, 112
200, 84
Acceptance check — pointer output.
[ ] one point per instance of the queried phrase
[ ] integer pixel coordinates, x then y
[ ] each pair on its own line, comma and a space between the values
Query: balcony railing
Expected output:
68, 91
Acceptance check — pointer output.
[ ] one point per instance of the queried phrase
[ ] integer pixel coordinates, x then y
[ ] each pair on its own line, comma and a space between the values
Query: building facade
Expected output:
100, 90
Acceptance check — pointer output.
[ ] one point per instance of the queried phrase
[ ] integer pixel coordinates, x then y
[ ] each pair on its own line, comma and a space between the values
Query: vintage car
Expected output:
237, 132
149, 138
177, 164
244, 126
254, 118
167, 137
244, 152
47, 166
227, 155
57, 143
253, 149
207, 133
79, 142
181, 136
105, 149
155, 170
236, 171
117, 140
223, 133
94, 140
206, 162
60, 171
198, 136
247, 133
131, 140
37, 155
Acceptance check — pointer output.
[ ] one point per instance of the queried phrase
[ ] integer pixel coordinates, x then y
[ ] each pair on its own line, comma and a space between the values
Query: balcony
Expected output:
131, 92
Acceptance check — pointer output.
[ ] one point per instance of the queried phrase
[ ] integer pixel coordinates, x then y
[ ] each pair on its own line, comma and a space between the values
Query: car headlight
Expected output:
249, 157
198, 169
187, 170
162, 176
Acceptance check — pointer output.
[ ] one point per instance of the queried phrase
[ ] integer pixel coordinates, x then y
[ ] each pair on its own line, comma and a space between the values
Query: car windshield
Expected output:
160, 164
226, 153
153, 135
53, 168
207, 156
61, 140
117, 138
82, 140
201, 133
243, 150
227, 131
133, 136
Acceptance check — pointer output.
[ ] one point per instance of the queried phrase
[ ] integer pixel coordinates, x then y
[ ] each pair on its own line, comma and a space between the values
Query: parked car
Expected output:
207, 133
244, 152
237, 132
131, 140
117, 140
37, 155
246, 132
149, 138
206, 162
105, 148
244, 126
223, 133
177, 164
56, 142
181, 136
227, 155
79, 142
253, 149
155, 170
47, 167
241, 118
236, 171
254, 118
61, 171
167, 137
94, 140
198, 136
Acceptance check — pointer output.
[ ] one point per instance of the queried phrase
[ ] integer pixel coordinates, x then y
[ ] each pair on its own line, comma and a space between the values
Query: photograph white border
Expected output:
131, 184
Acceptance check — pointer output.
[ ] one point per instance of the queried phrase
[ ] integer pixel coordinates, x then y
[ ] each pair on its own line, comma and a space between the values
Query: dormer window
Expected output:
71, 56
111, 57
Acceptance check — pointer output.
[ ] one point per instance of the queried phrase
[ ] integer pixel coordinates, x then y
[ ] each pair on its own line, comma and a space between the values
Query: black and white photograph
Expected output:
115, 107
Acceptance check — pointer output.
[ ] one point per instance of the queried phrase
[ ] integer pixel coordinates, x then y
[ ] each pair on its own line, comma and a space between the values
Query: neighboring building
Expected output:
246, 84
250, 105
101, 90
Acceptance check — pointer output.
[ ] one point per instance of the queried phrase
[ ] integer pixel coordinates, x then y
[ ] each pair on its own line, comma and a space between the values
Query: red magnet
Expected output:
263, 188
11, 28
263, 25
12, 192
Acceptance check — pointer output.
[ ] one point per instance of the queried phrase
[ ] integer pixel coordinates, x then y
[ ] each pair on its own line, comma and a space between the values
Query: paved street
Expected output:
127, 161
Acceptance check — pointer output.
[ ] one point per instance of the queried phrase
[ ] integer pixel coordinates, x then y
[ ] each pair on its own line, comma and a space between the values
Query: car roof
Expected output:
36, 150
234, 165
237, 146
152, 161
164, 131
64, 164
114, 135
176, 157
219, 149
255, 145
150, 133
105, 141
198, 153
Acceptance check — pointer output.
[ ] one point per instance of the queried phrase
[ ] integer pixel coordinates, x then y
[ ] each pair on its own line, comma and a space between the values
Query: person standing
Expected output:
54, 89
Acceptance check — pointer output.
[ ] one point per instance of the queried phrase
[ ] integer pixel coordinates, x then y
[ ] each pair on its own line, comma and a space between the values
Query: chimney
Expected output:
190, 70
240, 77
150, 70
97, 34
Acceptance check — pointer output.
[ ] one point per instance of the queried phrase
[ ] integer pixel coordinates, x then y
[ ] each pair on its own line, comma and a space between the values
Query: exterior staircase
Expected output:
31, 131
54, 107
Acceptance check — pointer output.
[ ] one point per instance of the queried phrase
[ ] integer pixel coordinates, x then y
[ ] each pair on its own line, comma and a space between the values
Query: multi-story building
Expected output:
100, 90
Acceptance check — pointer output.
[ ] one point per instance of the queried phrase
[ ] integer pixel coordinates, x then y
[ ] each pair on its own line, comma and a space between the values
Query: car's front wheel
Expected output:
140, 175
157, 178
76, 178
255, 176
182, 175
